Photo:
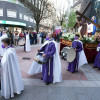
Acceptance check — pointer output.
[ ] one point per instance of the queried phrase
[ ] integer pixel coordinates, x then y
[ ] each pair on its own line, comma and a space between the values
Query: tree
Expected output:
65, 20
40, 9
72, 19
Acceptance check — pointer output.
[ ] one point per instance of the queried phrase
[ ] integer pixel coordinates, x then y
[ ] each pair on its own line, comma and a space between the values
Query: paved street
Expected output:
73, 23
25, 65
84, 85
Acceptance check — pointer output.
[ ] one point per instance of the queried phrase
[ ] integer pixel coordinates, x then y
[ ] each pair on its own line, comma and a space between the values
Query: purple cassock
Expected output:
97, 59
47, 70
74, 65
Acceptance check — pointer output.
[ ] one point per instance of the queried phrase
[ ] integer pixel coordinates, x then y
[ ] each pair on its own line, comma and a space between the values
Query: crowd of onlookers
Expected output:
57, 36
35, 38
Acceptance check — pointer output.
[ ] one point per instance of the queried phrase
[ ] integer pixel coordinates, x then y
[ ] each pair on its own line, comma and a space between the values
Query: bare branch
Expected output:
41, 9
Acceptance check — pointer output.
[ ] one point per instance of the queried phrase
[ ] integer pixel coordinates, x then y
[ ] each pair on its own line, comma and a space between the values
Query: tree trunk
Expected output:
37, 26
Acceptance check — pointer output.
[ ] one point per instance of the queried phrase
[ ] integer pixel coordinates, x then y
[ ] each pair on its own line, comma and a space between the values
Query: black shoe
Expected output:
99, 69
67, 70
41, 78
47, 83
95, 67
73, 72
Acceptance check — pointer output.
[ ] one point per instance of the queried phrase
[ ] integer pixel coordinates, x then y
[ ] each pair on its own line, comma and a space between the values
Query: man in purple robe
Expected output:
97, 59
77, 45
49, 50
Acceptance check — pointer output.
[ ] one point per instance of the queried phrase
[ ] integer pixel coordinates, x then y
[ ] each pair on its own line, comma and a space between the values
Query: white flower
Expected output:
72, 36
90, 38
84, 36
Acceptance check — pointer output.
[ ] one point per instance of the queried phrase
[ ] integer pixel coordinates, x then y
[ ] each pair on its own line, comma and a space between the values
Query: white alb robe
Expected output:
37, 68
2, 50
28, 47
82, 57
11, 81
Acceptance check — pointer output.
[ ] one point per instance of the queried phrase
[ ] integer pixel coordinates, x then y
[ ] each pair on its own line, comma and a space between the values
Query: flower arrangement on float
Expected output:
85, 39
68, 36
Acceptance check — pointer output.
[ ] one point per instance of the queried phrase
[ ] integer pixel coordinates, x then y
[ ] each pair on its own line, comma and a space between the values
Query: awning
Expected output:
12, 23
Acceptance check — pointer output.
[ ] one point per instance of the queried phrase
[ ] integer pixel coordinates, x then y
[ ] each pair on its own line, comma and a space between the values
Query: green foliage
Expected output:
85, 40
66, 38
64, 20
72, 19
64, 25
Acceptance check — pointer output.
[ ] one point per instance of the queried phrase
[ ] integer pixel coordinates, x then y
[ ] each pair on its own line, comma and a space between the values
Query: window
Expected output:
20, 16
11, 13
26, 17
31, 19
1, 11
34, 21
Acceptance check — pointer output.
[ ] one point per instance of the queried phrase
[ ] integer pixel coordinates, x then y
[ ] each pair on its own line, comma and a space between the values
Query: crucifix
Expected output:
78, 13
86, 18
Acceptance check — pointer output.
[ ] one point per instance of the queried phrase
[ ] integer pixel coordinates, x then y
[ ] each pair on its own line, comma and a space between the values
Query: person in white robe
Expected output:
2, 50
28, 47
38, 38
37, 68
11, 81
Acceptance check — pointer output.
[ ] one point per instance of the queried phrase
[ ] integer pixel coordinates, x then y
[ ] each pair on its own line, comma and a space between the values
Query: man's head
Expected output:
6, 42
50, 35
77, 36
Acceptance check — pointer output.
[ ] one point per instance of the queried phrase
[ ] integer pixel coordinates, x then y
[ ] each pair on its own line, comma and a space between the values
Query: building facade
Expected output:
76, 5
13, 14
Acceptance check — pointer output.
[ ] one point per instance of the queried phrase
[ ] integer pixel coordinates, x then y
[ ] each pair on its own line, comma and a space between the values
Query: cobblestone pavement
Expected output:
35, 89
84, 85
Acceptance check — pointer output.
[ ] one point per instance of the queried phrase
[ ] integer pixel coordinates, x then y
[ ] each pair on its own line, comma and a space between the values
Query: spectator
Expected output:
21, 34
54, 36
11, 37
58, 37
38, 38
31, 37
0, 32
24, 35
43, 36
61, 34
34, 37
16, 36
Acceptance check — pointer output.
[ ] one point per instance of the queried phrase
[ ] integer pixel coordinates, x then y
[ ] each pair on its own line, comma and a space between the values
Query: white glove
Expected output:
98, 49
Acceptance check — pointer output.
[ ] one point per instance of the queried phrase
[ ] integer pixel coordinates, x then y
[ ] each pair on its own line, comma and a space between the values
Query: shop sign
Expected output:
12, 23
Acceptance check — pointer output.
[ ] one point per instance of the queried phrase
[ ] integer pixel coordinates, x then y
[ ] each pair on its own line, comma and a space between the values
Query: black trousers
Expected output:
0, 84
42, 41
